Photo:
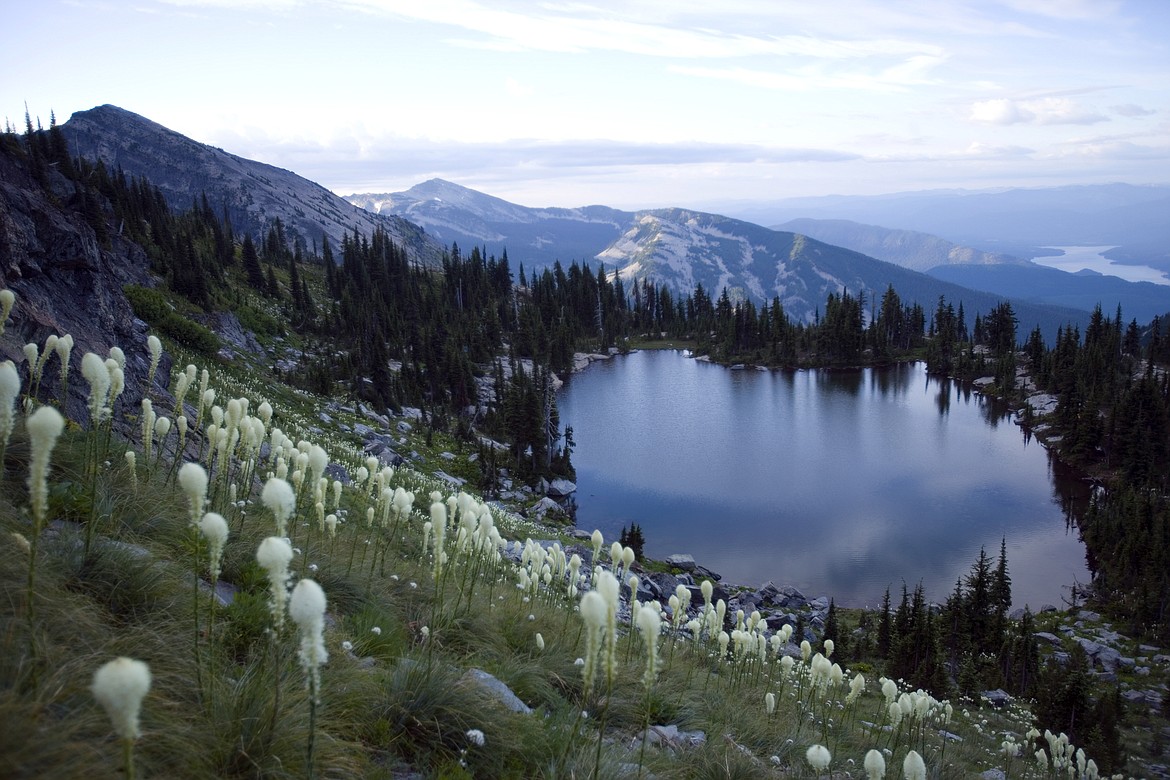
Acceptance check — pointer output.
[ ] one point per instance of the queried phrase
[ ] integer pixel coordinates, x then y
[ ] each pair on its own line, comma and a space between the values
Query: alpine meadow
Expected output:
286, 494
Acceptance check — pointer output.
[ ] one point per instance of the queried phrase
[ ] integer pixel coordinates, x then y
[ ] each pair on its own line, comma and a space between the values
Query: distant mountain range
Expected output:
1019, 222
681, 248
254, 194
907, 248
991, 272
452, 214
674, 247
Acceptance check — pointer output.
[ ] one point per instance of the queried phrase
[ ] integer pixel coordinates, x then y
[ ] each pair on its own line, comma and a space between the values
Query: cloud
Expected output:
1132, 110
661, 32
812, 77
1043, 111
1075, 10
348, 163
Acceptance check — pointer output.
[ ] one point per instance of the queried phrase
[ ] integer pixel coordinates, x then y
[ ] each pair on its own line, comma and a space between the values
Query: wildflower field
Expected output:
227, 593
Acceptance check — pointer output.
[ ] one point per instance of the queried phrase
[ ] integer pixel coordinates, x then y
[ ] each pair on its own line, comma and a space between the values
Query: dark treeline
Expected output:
968, 645
1113, 419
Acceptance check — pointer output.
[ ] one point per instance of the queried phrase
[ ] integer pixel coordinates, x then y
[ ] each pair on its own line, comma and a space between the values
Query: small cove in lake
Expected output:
841, 483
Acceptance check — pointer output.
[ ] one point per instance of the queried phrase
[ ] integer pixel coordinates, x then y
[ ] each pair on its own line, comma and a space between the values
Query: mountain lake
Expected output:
1091, 258
839, 482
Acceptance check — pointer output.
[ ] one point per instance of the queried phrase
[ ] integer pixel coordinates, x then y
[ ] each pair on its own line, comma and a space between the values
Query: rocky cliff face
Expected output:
65, 281
254, 194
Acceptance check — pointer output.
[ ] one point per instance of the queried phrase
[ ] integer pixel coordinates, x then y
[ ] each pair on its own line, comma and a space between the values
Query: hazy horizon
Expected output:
631, 105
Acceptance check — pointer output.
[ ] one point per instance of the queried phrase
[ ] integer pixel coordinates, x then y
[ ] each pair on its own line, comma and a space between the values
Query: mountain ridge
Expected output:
254, 194
911, 249
681, 247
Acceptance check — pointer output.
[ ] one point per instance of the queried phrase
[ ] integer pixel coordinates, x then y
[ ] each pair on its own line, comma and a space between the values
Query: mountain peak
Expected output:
252, 193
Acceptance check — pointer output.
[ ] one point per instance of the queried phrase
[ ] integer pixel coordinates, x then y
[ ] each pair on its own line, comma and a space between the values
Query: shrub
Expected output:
151, 306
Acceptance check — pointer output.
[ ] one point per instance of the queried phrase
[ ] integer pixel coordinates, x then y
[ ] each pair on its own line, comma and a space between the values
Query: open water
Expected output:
842, 482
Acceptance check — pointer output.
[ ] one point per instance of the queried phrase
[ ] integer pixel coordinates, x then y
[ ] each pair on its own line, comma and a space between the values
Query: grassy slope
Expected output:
229, 697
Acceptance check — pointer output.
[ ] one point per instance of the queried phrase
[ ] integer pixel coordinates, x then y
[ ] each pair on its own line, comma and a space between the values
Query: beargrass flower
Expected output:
155, 348
117, 382
770, 702
64, 350
913, 767
7, 300
30, 357
650, 624
148, 418
49, 348
120, 686
162, 426
597, 540
215, 529
44, 428
9, 391
93, 368
274, 555
306, 607
856, 688
278, 496
818, 757
193, 480
130, 464
875, 765
593, 613
118, 356
889, 690
475, 737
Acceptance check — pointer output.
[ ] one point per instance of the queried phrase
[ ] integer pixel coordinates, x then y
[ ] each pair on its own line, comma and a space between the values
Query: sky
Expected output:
633, 104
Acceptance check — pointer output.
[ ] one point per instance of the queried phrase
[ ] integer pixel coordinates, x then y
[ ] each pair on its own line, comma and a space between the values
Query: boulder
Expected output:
337, 472
559, 488
766, 595
681, 561
997, 698
497, 689
1102, 655
702, 572
664, 584
674, 738
545, 506
790, 598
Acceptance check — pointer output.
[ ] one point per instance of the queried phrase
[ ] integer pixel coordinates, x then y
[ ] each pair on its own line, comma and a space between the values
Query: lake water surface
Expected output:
1080, 258
841, 483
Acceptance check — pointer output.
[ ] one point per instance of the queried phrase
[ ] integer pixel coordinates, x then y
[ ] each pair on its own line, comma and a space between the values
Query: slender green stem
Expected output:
128, 757
311, 769
195, 612
645, 735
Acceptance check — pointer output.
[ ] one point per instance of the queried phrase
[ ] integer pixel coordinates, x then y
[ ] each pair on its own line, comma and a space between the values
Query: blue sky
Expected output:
631, 104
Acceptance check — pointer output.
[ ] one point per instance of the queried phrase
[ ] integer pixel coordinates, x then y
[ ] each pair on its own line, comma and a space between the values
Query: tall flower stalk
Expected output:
9, 391
650, 623
44, 428
306, 607
193, 480
120, 686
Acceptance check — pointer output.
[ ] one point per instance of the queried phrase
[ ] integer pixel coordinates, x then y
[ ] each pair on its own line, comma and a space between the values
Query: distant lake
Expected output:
840, 483
1078, 258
